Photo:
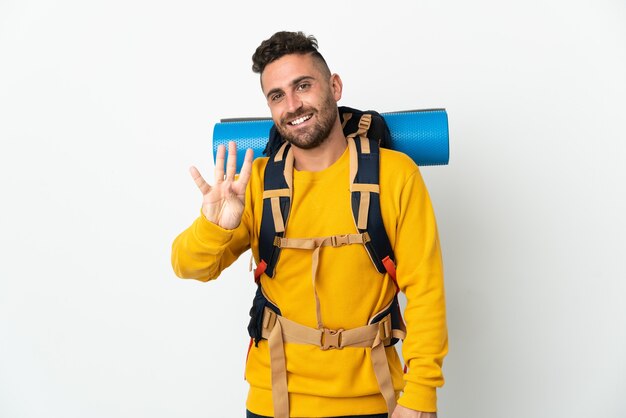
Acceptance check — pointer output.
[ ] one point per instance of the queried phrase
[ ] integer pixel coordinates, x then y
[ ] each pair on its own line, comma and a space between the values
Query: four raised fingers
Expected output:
231, 168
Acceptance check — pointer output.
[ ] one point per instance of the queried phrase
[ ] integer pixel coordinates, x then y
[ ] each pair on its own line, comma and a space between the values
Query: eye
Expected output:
276, 97
303, 86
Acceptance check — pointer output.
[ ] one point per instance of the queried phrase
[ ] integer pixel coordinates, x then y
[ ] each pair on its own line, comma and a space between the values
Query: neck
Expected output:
323, 156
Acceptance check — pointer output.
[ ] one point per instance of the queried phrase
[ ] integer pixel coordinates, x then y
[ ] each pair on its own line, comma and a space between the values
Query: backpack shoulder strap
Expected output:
277, 193
365, 191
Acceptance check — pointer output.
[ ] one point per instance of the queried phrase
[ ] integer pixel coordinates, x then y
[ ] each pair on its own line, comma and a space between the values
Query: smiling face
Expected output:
302, 97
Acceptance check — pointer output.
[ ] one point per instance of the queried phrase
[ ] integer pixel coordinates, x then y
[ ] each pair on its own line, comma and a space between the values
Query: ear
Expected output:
336, 85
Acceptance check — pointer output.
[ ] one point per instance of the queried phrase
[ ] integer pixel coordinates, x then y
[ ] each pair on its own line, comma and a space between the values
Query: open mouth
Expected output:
300, 120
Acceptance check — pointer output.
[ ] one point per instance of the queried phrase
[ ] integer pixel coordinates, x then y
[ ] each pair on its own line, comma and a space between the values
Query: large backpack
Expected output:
365, 132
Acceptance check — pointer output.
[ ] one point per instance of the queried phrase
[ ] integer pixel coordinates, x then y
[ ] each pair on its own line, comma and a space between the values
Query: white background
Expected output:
105, 104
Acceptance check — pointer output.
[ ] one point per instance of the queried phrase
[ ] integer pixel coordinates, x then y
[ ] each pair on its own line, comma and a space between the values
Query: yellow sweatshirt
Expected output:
350, 289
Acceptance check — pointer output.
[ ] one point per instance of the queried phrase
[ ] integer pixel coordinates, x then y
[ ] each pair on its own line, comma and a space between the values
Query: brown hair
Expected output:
286, 43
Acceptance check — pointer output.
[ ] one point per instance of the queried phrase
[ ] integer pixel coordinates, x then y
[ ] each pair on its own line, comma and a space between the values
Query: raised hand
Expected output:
223, 203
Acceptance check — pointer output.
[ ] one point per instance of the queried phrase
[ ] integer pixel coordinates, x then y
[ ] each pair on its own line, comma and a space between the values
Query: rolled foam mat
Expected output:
421, 134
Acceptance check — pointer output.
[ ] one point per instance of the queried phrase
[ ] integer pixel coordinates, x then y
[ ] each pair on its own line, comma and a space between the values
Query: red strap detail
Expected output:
259, 270
390, 266
406, 369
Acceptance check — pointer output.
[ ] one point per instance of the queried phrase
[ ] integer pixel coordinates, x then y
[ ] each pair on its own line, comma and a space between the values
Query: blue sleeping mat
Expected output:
421, 134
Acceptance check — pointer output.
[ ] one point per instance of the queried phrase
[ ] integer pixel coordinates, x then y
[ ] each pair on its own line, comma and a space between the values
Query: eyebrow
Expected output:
293, 83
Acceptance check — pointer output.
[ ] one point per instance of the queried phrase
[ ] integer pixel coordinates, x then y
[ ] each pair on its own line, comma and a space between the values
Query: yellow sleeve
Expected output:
420, 277
204, 249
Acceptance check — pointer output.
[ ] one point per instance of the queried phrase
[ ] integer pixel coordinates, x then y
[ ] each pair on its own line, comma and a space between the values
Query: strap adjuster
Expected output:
384, 328
331, 339
269, 319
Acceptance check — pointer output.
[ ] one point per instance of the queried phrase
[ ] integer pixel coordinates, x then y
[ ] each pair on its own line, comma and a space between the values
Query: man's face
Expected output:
302, 99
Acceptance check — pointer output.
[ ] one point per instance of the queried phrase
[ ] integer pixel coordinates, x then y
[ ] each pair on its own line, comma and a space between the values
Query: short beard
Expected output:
315, 135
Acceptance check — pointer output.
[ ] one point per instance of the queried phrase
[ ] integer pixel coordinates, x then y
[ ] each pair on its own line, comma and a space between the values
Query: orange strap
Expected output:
390, 266
259, 270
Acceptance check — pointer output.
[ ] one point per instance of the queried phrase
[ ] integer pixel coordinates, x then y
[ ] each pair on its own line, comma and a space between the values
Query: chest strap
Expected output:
316, 244
279, 330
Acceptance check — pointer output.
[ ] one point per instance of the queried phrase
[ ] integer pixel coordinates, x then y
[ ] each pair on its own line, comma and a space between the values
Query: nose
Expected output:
293, 102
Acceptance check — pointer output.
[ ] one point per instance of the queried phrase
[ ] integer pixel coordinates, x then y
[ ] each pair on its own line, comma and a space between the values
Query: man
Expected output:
324, 287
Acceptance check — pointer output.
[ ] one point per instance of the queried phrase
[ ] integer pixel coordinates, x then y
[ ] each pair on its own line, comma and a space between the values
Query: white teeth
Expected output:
299, 120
